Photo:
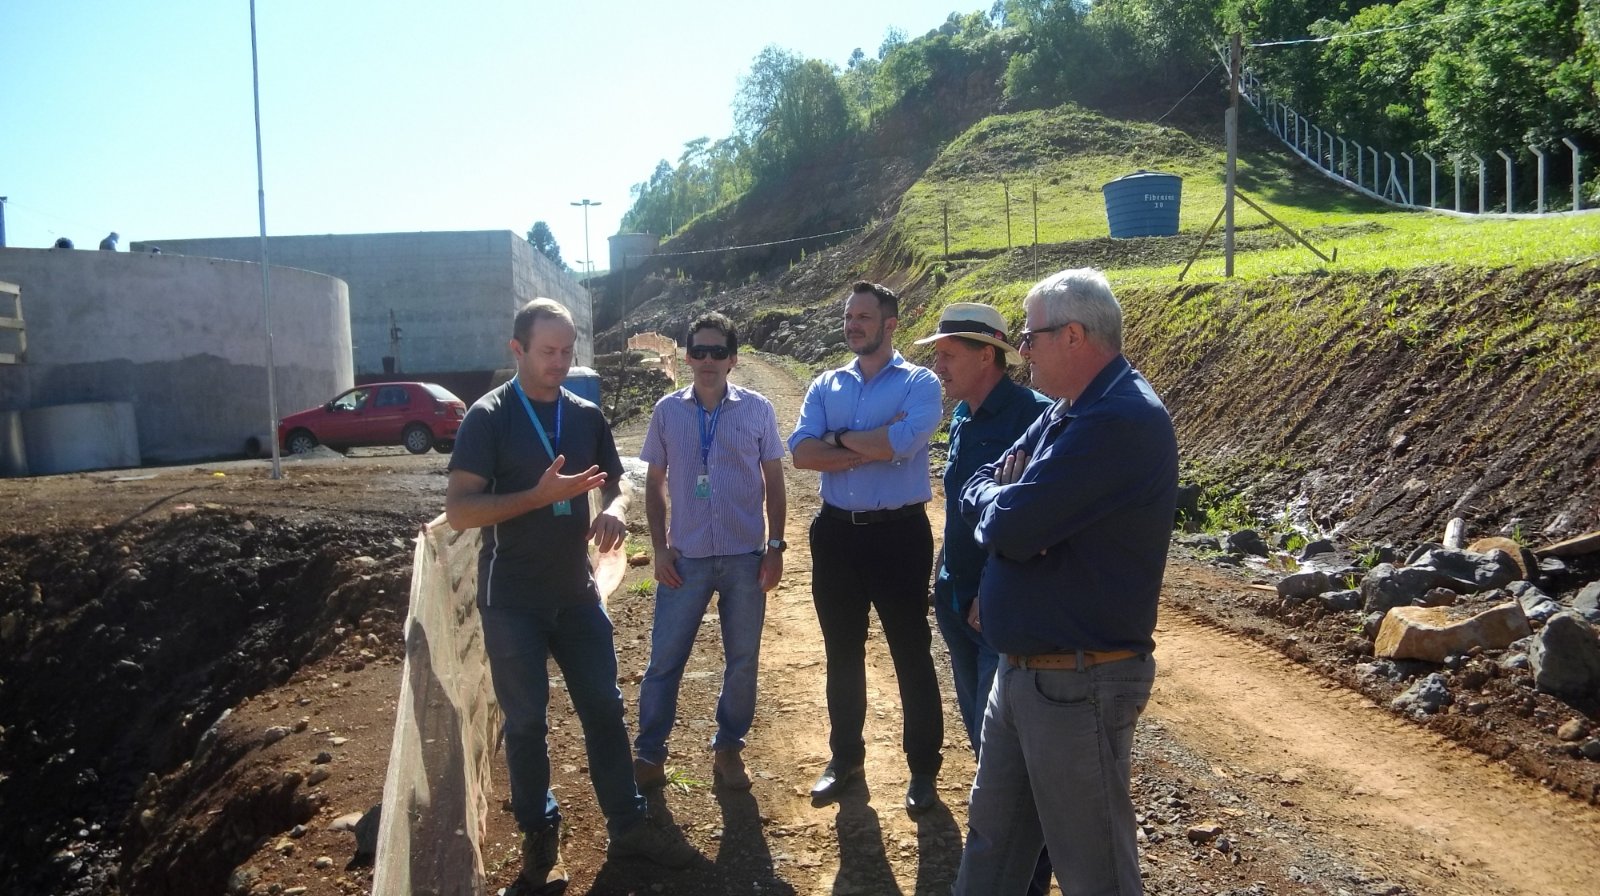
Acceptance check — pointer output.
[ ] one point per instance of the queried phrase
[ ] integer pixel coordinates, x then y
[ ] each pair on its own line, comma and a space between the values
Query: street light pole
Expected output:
588, 259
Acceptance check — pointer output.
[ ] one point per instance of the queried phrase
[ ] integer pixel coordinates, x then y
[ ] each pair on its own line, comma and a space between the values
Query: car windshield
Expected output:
440, 392
351, 400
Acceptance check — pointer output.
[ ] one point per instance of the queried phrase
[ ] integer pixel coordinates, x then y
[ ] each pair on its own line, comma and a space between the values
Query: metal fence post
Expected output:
1457, 166
1359, 156
1375, 170
1539, 202
1483, 183
1507, 156
1577, 167
1411, 178
1433, 180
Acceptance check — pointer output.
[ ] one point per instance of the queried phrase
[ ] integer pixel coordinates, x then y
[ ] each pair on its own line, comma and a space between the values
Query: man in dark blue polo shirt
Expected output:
970, 357
1076, 518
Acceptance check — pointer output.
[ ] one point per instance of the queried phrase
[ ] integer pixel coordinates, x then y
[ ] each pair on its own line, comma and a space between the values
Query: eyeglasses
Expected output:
716, 352
1025, 338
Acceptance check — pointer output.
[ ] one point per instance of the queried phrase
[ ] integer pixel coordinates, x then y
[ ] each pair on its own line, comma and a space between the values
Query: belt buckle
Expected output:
858, 522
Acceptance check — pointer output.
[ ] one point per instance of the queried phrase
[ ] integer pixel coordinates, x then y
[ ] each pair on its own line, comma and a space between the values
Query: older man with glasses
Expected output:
1076, 518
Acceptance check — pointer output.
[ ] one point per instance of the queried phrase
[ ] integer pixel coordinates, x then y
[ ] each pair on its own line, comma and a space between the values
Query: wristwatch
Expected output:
777, 544
838, 435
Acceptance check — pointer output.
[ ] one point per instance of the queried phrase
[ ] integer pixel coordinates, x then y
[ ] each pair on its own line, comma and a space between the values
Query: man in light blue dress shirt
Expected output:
865, 428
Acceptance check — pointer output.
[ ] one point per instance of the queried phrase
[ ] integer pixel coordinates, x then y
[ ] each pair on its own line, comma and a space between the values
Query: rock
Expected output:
1436, 597
1565, 657
1420, 551
1429, 695
1536, 605
274, 734
1434, 633
1572, 729
1388, 586
1370, 623
323, 862
1303, 585
1527, 564
1588, 597
1189, 502
1203, 541
318, 775
1552, 566
323, 758
1204, 831
1319, 546
1247, 541
1591, 750
1471, 572
366, 839
1455, 532
1340, 601
639, 559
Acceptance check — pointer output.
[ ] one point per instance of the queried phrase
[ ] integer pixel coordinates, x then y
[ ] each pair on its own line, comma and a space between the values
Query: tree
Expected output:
545, 241
790, 110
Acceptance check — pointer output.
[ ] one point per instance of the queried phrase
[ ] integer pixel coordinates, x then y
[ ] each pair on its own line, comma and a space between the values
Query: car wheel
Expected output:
417, 439
444, 446
300, 441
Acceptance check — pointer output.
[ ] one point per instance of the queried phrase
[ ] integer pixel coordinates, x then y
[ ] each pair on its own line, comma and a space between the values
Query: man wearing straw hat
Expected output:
970, 357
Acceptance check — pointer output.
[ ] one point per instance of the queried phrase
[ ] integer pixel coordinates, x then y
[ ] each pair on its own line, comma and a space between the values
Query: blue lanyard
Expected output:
537, 426
707, 436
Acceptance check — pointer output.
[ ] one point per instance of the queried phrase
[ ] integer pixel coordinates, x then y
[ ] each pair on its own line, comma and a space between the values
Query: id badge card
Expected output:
562, 508
702, 486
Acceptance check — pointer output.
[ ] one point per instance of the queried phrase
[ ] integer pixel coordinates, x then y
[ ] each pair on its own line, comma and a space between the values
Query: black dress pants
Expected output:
883, 565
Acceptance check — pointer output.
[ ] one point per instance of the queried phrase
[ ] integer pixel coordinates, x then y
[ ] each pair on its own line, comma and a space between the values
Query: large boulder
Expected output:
1303, 585
1473, 572
1247, 541
1565, 657
1538, 606
1434, 633
1388, 586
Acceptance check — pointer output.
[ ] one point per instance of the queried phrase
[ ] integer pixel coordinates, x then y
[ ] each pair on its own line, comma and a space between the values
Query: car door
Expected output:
344, 418
386, 415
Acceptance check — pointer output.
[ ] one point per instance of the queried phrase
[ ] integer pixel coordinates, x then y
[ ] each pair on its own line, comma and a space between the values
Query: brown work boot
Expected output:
542, 871
727, 770
649, 775
649, 840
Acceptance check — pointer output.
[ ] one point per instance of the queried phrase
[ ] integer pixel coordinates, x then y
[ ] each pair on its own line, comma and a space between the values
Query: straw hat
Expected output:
975, 322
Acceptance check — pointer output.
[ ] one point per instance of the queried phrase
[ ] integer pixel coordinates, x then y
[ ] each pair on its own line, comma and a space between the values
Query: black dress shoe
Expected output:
921, 796
835, 778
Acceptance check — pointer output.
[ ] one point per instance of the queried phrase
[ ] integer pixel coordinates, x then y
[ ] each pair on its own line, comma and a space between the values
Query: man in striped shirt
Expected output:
716, 459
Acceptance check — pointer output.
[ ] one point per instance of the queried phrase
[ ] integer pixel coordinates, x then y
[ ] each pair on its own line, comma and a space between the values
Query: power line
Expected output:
797, 239
1186, 96
1465, 15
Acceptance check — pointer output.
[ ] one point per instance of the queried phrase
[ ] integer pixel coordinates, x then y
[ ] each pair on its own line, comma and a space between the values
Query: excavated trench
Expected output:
123, 647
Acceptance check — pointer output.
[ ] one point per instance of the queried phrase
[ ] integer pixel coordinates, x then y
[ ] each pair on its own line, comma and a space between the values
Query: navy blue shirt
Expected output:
537, 559
977, 437
1077, 545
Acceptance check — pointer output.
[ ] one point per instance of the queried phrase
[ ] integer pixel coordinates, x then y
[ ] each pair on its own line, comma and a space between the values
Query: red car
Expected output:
417, 415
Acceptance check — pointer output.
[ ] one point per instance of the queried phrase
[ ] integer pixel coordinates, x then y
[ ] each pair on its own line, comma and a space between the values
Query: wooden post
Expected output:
1232, 127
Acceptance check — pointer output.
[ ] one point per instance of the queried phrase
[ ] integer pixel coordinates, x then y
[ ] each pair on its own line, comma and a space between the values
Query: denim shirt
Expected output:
977, 438
1078, 544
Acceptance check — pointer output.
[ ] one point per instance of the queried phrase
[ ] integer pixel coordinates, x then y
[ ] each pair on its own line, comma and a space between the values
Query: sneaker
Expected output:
649, 775
727, 770
542, 871
646, 840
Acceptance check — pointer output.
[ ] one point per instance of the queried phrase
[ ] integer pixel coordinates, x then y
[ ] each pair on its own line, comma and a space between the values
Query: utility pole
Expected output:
1235, 50
588, 262
2, 222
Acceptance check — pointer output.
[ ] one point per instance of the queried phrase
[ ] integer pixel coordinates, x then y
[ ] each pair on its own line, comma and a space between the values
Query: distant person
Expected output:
970, 358
865, 427
109, 244
525, 459
716, 458
1076, 517
155, 250
63, 243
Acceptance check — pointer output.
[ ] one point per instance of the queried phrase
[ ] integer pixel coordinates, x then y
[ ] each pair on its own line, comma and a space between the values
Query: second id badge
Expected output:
561, 508
702, 486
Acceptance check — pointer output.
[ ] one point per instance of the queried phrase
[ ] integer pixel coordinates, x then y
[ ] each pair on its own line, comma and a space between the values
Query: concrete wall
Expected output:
179, 338
452, 294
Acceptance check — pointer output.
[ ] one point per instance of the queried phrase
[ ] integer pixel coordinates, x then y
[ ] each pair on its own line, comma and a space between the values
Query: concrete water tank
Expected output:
584, 383
1144, 203
66, 438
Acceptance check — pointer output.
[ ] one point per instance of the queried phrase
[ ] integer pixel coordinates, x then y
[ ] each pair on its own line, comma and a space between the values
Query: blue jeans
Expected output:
972, 665
742, 606
519, 642
1057, 748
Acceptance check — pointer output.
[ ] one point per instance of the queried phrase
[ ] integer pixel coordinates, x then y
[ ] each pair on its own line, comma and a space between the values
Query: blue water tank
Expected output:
584, 383
1144, 203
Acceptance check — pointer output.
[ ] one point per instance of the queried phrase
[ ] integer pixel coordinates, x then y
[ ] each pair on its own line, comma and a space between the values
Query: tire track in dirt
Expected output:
1442, 819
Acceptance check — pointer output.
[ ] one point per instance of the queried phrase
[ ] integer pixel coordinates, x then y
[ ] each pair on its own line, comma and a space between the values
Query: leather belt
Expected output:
1070, 659
865, 517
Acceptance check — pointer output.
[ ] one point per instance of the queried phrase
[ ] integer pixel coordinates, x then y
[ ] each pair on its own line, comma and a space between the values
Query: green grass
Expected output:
1065, 155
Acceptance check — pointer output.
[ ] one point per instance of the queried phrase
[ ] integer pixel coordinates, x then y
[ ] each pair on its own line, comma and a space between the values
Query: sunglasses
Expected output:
1025, 338
715, 352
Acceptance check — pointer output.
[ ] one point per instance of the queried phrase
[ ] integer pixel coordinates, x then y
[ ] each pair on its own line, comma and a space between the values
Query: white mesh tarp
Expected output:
447, 726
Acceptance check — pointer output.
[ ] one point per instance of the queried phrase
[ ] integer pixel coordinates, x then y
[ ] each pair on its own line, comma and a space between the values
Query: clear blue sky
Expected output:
378, 116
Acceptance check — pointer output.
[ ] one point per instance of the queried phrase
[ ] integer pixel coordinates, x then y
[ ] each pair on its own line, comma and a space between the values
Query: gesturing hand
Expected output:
554, 486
